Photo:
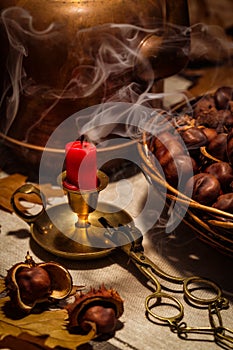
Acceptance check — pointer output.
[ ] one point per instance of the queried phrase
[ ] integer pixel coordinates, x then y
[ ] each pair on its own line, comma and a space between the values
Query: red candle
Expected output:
81, 167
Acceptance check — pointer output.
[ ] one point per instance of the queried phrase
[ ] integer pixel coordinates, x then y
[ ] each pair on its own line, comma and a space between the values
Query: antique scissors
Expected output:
129, 239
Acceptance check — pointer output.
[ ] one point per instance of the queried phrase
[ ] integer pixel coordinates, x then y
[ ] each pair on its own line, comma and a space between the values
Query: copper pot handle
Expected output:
24, 193
168, 53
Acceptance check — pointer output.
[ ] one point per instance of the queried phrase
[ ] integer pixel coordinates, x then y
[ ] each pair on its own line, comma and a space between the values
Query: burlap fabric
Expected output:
179, 252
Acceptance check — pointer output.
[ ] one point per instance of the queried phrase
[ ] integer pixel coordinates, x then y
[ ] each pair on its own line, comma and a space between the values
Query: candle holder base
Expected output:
56, 231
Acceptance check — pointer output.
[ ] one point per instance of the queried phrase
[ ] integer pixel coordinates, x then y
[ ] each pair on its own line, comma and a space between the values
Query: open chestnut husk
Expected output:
29, 283
100, 306
205, 105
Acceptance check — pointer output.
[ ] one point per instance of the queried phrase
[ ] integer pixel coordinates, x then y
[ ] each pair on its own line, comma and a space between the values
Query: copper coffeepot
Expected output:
59, 57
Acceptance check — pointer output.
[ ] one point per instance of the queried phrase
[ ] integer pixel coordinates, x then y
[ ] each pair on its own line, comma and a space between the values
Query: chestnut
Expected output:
228, 118
223, 172
102, 307
103, 316
158, 141
34, 283
205, 188
169, 151
229, 147
29, 283
231, 106
180, 169
218, 147
210, 133
163, 138
224, 202
222, 96
194, 137
225, 120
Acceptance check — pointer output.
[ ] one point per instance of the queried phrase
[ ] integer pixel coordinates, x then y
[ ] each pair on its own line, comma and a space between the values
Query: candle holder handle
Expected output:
24, 193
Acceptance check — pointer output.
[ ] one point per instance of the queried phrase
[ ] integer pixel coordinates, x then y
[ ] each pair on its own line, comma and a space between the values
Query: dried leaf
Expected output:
2, 285
16, 344
8, 185
47, 328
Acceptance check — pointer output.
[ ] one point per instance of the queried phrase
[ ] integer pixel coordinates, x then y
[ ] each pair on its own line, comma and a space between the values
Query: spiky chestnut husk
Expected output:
29, 283
100, 306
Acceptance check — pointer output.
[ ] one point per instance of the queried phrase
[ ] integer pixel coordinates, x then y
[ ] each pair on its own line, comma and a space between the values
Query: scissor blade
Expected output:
125, 235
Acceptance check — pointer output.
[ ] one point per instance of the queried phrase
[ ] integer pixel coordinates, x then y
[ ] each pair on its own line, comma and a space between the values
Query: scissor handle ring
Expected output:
208, 283
171, 320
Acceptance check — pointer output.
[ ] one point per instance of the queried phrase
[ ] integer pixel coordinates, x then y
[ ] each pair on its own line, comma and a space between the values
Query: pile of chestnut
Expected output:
179, 150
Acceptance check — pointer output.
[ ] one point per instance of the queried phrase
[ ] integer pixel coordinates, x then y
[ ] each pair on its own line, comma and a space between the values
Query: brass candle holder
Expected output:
83, 203
72, 230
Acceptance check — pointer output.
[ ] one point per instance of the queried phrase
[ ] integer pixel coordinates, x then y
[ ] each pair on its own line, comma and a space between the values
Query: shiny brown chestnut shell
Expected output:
169, 151
223, 172
218, 147
210, 133
180, 169
53, 282
224, 203
230, 147
194, 137
222, 96
205, 188
100, 306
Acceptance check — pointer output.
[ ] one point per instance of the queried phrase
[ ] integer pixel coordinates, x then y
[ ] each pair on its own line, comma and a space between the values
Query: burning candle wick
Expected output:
82, 138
